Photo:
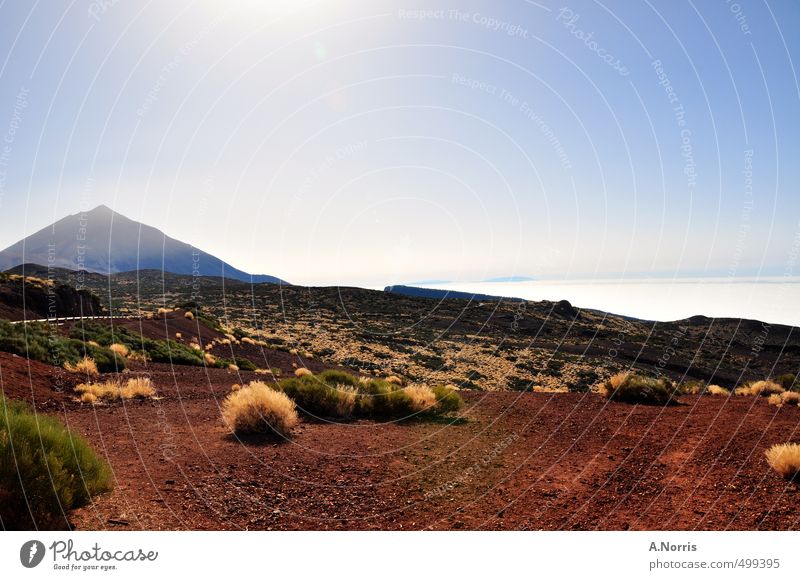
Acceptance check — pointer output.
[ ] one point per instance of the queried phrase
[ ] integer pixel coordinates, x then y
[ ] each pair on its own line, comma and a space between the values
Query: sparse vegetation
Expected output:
760, 389
336, 394
717, 391
119, 349
785, 459
785, 398
633, 388
422, 398
133, 388
37, 341
85, 366
788, 381
259, 409
45, 470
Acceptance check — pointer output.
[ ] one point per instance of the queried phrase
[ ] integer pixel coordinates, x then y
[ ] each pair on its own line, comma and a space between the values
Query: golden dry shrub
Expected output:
784, 458
233, 367
86, 366
90, 398
138, 388
163, 311
345, 401
613, 383
133, 388
785, 398
293, 351
717, 391
137, 356
790, 398
94, 343
303, 372
308, 355
189, 314
258, 409
210, 359
395, 380
422, 398
248, 340
178, 335
195, 345
235, 387
760, 389
119, 349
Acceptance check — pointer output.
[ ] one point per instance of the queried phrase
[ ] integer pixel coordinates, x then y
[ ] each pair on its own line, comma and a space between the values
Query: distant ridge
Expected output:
416, 292
106, 242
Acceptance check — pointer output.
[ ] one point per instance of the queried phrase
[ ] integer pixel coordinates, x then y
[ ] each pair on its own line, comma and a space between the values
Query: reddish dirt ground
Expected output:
517, 461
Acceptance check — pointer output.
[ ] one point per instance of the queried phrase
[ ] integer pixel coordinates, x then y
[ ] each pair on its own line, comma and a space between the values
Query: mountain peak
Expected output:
104, 241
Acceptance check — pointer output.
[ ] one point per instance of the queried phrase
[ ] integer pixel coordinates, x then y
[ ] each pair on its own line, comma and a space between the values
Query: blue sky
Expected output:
368, 143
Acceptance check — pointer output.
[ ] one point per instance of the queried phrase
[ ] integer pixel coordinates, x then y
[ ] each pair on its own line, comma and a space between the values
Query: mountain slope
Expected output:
104, 241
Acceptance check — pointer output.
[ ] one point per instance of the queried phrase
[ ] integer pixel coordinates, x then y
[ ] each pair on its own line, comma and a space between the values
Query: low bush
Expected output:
133, 388
37, 341
340, 395
788, 381
447, 400
422, 398
45, 470
759, 389
633, 388
85, 366
244, 364
259, 409
303, 372
319, 399
717, 391
785, 459
119, 349
785, 398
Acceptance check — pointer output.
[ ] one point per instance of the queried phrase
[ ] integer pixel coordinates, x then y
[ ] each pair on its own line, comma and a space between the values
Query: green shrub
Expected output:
447, 400
633, 388
37, 342
316, 398
788, 381
45, 470
336, 394
334, 378
244, 364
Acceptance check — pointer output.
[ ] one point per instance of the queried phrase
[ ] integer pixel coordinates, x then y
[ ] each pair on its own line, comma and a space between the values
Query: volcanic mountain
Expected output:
106, 242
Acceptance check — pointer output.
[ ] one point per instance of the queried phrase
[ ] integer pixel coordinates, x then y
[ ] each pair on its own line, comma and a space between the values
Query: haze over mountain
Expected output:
104, 241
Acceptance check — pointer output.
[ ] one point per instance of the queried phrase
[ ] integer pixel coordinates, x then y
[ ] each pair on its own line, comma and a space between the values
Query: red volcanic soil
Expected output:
514, 461
518, 461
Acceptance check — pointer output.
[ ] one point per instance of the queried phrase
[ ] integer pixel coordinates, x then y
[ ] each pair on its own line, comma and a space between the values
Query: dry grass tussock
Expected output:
395, 380
233, 367
785, 459
422, 398
303, 372
258, 409
717, 391
760, 389
119, 349
785, 398
133, 388
189, 314
86, 366
633, 388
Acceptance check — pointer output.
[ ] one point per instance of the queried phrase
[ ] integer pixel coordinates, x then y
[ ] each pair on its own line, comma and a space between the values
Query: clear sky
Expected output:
369, 143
